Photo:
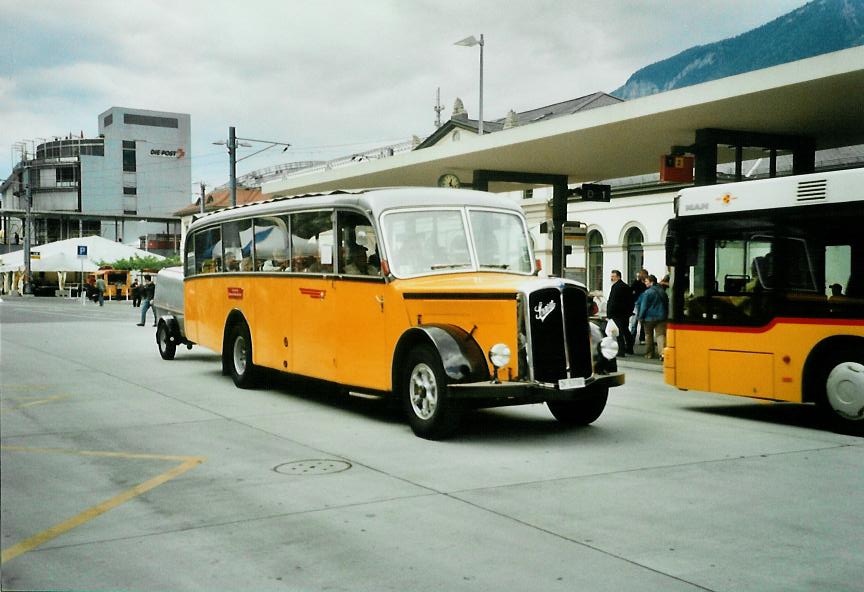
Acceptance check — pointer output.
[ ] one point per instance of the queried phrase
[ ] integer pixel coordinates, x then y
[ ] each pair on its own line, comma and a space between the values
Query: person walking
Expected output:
619, 308
652, 311
100, 291
148, 290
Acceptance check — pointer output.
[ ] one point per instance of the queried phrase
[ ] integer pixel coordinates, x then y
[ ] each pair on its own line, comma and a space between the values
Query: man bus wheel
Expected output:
237, 357
167, 347
431, 413
581, 412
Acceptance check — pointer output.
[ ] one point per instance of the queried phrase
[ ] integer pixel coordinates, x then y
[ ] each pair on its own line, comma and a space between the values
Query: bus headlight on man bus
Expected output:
499, 355
609, 347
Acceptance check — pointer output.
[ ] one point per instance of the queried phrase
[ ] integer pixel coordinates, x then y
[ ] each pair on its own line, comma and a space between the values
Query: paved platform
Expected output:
121, 471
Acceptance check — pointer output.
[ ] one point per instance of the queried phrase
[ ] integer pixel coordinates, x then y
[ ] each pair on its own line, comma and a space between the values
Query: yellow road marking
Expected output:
31, 403
187, 463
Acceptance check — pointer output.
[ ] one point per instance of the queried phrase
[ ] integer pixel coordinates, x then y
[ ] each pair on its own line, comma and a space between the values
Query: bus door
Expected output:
359, 294
264, 248
725, 314
314, 332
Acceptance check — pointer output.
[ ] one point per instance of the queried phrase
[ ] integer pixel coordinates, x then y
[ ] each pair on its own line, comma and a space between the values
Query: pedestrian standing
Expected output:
136, 294
638, 286
100, 290
653, 308
618, 309
147, 292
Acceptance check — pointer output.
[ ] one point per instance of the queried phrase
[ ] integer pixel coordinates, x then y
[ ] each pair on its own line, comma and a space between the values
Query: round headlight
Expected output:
499, 355
609, 347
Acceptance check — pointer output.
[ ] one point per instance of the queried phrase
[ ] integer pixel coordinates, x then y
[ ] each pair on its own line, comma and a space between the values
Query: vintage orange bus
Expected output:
430, 295
768, 291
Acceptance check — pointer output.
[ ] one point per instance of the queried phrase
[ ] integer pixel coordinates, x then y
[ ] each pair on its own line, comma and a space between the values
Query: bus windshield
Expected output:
446, 240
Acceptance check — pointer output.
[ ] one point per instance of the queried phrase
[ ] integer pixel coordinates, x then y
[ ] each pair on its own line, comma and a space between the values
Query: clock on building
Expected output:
449, 180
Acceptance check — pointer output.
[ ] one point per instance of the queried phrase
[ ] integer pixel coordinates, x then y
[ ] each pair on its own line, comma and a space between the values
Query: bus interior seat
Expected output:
734, 284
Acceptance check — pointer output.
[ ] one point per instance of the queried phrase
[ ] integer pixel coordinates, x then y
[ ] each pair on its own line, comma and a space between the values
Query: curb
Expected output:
635, 364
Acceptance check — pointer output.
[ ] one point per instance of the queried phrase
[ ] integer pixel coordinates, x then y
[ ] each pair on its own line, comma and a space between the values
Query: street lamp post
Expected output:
232, 145
28, 287
471, 42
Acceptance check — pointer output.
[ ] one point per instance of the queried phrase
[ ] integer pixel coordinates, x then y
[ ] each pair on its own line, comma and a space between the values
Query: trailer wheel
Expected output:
165, 341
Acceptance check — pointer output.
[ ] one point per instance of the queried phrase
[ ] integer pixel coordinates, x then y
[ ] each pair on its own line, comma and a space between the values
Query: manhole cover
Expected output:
312, 467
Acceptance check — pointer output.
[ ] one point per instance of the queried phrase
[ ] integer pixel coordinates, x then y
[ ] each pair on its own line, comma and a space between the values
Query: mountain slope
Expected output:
822, 26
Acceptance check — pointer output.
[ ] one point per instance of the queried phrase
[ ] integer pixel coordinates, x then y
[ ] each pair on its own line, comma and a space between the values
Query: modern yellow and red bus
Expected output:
428, 295
768, 291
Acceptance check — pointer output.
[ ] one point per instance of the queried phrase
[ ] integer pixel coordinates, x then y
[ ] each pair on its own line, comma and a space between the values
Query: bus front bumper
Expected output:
518, 393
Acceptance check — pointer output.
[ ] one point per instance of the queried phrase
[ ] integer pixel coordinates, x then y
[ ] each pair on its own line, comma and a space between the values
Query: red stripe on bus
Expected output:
319, 294
768, 327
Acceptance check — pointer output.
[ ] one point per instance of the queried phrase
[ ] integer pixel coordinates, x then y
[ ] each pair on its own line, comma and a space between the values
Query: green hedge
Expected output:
149, 263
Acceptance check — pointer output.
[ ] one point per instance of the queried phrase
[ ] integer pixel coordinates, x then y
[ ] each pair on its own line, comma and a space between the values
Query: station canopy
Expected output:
819, 98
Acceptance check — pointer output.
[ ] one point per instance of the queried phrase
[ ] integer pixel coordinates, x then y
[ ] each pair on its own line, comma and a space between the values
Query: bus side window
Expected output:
312, 242
189, 267
271, 244
357, 248
237, 245
208, 255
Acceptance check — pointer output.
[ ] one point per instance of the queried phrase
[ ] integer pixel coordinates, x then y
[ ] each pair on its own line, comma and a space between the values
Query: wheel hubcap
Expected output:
240, 355
845, 390
423, 391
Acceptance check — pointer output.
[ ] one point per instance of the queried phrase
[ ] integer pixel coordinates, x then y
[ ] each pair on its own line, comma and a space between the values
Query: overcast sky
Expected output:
330, 77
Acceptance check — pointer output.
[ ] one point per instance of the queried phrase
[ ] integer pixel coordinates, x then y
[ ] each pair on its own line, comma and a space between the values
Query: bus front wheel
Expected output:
430, 411
841, 381
237, 356
581, 412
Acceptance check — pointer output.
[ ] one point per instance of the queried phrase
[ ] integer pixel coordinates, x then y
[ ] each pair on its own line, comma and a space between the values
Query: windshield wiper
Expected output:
449, 265
496, 265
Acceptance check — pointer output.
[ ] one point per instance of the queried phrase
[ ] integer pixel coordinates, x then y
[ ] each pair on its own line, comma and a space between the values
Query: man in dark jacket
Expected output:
619, 308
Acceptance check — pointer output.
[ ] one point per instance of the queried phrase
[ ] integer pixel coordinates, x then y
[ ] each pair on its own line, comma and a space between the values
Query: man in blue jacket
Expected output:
652, 309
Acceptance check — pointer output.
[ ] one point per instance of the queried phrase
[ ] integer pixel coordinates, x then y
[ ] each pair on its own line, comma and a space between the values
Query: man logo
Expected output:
544, 310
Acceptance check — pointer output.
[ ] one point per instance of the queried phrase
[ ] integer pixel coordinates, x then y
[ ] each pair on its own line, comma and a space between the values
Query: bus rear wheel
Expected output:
237, 356
430, 411
841, 381
581, 412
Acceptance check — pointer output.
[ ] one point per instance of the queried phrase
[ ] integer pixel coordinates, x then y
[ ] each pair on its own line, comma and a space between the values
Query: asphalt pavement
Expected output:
122, 471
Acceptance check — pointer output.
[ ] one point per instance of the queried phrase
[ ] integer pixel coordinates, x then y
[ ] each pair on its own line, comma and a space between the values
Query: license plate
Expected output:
566, 384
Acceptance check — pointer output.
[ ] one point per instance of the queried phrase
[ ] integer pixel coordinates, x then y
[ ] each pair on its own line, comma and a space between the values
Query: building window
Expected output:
595, 260
109, 119
528, 194
133, 119
65, 174
635, 254
129, 165
130, 191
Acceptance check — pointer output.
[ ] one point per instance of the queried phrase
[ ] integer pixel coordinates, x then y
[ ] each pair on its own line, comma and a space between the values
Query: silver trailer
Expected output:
168, 304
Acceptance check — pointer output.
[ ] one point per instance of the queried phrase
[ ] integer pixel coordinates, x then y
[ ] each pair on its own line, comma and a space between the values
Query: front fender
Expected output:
461, 355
